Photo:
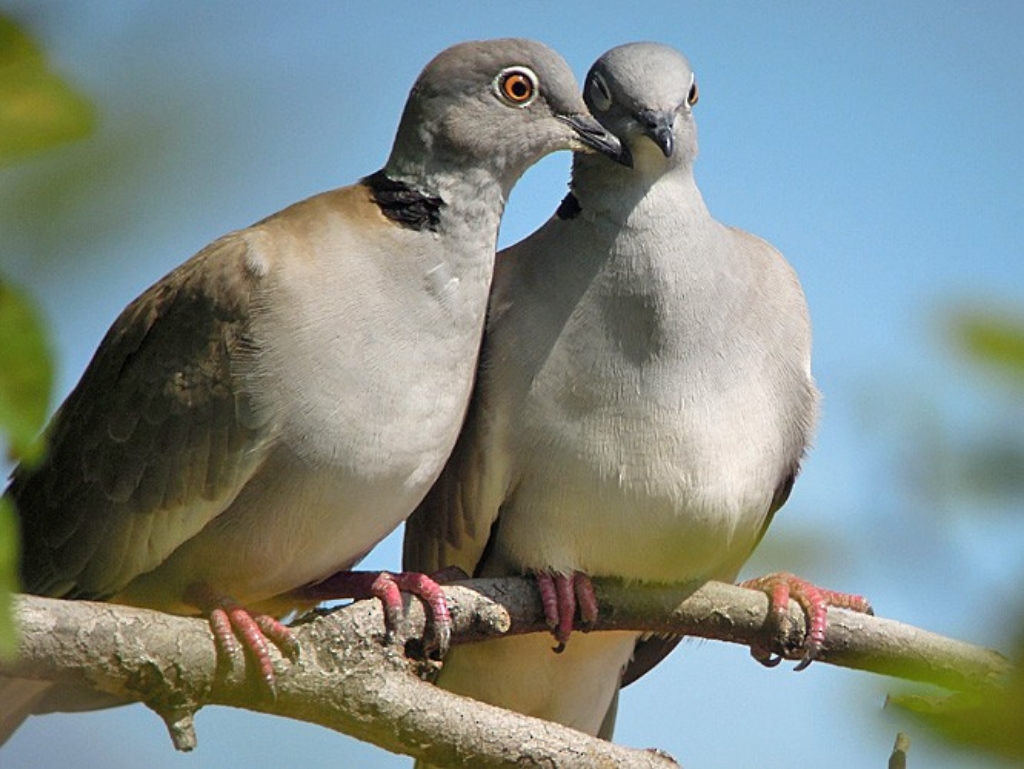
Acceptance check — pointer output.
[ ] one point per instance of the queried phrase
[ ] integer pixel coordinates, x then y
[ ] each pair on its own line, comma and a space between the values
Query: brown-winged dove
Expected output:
266, 413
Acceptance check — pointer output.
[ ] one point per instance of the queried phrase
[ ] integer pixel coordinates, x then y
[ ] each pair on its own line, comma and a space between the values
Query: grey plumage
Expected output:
266, 413
643, 401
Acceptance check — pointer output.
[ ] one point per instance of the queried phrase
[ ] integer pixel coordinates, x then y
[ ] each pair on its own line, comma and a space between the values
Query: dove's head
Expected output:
644, 93
497, 106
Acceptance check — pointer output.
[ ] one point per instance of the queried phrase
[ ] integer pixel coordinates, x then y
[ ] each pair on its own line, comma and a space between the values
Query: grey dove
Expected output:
643, 402
262, 416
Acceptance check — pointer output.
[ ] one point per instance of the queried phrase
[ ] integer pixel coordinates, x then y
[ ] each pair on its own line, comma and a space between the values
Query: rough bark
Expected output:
348, 678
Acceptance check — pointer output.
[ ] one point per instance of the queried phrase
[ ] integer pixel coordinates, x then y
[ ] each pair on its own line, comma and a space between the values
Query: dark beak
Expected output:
658, 127
596, 137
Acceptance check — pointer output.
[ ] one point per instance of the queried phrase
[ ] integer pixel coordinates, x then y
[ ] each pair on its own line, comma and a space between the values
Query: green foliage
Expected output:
990, 466
26, 373
38, 109
8, 578
993, 340
26, 378
989, 721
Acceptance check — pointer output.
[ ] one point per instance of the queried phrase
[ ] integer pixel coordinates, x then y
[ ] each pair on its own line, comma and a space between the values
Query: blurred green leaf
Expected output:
26, 373
8, 580
989, 721
993, 471
38, 109
992, 339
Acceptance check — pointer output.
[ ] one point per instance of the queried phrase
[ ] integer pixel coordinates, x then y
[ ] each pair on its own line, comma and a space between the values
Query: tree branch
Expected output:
350, 680
484, 608
347, 679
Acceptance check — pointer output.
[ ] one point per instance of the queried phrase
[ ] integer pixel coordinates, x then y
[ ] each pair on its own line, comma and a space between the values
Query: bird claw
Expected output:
560, 594
766, 657
279, 634
387, 587
814, 601
236, 630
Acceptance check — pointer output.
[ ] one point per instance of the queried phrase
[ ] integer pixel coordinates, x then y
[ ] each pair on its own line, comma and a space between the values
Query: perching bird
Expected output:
643, 401
262, 416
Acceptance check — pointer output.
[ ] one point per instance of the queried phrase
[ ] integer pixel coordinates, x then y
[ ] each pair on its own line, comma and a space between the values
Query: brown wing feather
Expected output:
154, 441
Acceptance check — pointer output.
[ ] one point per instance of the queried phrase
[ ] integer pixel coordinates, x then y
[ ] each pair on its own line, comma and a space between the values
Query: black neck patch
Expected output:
569, 208
403, 204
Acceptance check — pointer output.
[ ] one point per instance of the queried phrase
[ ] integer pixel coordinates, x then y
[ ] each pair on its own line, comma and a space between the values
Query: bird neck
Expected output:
651, 188
462, 195
404, 204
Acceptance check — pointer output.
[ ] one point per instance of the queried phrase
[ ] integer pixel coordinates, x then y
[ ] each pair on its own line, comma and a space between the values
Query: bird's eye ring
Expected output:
600, 95
516, 86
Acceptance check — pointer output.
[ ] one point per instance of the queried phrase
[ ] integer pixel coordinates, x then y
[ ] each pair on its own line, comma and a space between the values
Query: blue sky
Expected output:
877, 145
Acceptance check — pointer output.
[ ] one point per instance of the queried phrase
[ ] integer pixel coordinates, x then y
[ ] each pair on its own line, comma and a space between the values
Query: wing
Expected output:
452, 525
155, 440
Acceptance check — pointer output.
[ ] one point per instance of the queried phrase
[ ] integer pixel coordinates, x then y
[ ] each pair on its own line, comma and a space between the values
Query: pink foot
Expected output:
560, 594
235, 630
388, 588
815, 602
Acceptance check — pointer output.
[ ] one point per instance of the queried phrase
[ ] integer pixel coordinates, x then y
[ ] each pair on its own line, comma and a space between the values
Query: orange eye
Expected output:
516, 86
691, 98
